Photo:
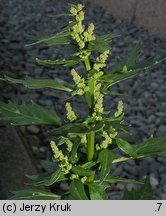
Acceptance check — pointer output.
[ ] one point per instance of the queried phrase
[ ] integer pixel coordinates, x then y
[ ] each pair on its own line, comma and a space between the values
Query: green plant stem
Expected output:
90, 150
91, 136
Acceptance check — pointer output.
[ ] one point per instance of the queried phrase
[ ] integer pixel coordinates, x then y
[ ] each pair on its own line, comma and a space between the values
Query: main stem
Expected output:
91, 136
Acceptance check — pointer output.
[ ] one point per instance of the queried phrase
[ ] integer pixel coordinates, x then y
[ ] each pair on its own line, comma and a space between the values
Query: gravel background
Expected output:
21, 22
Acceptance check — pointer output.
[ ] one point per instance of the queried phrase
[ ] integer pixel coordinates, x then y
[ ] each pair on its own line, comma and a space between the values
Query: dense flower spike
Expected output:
120, 109
70, 113
101, 60
69, 145
80, 82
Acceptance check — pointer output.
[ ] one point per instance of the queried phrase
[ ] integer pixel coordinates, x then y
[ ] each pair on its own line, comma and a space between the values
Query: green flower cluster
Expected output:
101, 61
80, 82
78, 32
70, 113
59, 156
108, 137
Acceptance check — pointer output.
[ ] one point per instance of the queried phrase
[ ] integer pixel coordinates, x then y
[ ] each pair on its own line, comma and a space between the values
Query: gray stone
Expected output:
163, 196
154, 181
33, 129
161, 130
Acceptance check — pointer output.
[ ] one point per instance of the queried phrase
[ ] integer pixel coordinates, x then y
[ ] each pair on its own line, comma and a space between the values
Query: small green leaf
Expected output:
78, 170
97, 191
38, 83
144, 193
76, 145
58, 39
77, 190
27, 114
62, 15
105, 158
69, 26
34, 194
126, 147
114, 180
89, 164
66, 63
46, 179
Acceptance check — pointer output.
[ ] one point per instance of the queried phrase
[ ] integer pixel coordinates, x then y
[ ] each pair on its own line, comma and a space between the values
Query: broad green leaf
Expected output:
97, 191
152, 147
46, 179
88, 99
144, 193
105, 158
68, 62
114, 180
38, 83
101, 43
77, 190
114, 77
76, 128
78, 170
34, 194
58, 39
126, 147
27, 114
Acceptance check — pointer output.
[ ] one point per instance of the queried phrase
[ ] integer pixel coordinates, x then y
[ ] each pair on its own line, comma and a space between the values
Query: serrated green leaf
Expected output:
105, 158
46, 179
34, 194
38, 83
78, 170
114, 180
65, 62
101, 43
144, 193
97, 191
58, 39
27, 114
77, 190
114, 77
129, 60
50, 166
152, 147
126, 147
